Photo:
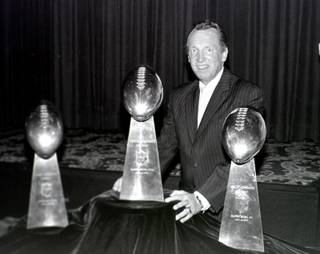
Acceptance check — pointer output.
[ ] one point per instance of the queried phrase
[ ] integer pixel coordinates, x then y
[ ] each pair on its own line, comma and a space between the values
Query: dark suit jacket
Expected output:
205, 165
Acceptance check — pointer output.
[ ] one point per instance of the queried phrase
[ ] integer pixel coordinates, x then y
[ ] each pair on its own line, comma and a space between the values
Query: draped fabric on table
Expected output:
107, 225
77, 53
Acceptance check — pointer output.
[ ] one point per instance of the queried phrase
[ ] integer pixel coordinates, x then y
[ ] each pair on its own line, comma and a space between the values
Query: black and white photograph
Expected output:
159, 126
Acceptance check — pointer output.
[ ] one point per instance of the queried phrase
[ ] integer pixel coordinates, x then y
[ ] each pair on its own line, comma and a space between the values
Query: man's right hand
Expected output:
117, 185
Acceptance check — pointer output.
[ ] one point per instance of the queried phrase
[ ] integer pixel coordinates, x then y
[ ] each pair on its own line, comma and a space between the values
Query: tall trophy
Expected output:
243, 136
142, 94
44, 133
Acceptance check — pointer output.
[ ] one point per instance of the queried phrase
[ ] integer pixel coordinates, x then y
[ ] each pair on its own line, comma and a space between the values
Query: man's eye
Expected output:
193, 51
209, 50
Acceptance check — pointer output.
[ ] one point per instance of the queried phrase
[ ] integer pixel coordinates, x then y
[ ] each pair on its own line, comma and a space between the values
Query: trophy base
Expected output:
47, 203
141, 179
138, 205
241, 225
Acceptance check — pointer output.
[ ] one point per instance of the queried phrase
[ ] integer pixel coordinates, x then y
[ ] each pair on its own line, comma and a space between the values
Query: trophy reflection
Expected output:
243, 136
44, 133
142, 96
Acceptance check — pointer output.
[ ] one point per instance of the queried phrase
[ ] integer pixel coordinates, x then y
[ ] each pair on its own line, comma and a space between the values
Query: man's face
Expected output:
205, 54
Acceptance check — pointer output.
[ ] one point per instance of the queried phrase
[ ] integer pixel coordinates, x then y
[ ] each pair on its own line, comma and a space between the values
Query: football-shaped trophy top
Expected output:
142, 93
243, 135
44, 130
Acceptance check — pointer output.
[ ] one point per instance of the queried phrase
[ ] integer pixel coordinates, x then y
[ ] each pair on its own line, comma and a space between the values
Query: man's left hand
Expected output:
185, 200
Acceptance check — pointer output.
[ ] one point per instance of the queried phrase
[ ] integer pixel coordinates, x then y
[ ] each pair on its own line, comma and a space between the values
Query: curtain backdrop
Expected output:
77, 53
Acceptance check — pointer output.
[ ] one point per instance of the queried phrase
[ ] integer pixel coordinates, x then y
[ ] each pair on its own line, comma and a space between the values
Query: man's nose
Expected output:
201, 57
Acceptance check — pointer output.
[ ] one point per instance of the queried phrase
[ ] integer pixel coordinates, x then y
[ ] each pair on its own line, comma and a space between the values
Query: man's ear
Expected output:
225, 54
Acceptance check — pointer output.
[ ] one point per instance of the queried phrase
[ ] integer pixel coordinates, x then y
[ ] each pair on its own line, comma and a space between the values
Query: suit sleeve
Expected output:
167, 141
214, 188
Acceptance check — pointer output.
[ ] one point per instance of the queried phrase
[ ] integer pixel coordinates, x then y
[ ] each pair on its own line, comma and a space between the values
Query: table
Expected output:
107, 225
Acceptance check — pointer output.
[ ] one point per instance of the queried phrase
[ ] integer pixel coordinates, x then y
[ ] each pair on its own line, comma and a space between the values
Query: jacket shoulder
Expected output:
247, 94
183, 89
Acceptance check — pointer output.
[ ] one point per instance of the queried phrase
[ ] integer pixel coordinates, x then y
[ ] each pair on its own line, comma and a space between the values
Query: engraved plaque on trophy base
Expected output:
141, 174
47, 203
241, 226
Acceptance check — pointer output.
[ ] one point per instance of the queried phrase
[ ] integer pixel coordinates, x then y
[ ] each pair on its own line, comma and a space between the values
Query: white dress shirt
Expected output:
205, 94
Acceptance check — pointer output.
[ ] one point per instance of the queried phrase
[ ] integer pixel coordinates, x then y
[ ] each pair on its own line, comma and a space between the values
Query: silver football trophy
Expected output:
142, 94
243, 136
44, 133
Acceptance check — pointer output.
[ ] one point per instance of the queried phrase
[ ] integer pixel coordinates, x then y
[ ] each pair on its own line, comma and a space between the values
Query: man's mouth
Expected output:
202, 67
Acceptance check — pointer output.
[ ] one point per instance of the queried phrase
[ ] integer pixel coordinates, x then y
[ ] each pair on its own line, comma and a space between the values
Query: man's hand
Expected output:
117, 185
185, 200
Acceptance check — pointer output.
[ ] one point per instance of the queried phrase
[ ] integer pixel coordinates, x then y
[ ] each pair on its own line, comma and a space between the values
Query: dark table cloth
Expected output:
108, 225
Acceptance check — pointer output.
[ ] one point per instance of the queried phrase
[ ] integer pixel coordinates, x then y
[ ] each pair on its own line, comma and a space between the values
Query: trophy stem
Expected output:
47, 203
241, 225
141, 174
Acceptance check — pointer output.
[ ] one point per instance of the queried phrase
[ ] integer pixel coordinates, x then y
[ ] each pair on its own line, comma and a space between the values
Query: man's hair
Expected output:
208, 24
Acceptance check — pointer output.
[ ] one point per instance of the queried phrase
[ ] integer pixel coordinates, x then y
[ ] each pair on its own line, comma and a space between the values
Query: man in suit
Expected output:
194, 121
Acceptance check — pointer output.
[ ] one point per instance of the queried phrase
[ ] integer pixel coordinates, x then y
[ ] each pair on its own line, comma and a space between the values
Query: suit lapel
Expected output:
191, 113
215, 101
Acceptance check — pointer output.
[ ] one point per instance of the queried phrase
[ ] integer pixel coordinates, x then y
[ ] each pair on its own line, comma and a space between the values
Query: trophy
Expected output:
142, 96
44, 133
243, 136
